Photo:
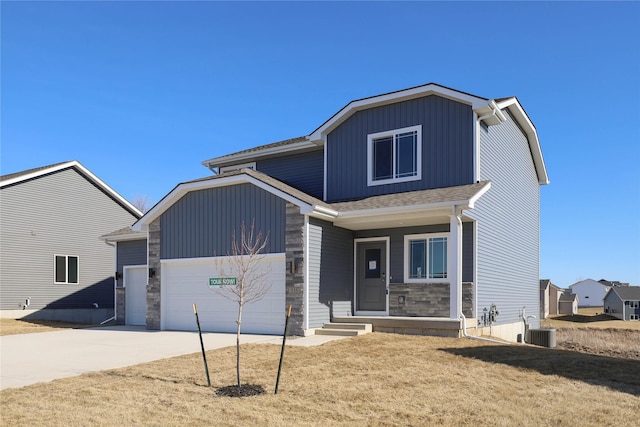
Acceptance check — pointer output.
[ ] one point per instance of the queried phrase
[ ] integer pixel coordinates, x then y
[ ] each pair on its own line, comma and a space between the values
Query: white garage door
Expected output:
185, 282
135, 302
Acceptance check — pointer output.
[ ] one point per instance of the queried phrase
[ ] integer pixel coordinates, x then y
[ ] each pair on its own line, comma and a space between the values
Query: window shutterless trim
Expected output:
371, 138
407, 258
66, 269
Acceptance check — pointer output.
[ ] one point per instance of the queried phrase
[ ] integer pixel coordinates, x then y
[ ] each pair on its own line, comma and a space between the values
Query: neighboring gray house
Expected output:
623, 302
53, 264
405, 210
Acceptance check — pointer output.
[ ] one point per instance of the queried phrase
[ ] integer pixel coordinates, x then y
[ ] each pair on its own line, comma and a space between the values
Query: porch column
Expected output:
454, 266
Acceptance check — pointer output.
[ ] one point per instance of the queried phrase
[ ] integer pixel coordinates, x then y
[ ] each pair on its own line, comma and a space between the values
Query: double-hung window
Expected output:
394, 156
66, 269
425, 258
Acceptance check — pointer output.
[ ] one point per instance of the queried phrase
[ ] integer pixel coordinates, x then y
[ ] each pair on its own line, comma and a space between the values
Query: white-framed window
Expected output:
425, 257
66, 269
394, 156
251, 165
634, 304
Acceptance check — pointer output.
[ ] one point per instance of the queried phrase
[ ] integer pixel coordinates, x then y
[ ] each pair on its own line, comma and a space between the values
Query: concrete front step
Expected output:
356, 326
344, 329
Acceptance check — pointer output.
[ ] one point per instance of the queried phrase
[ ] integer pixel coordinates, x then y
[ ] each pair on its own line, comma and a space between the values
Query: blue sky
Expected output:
142, 92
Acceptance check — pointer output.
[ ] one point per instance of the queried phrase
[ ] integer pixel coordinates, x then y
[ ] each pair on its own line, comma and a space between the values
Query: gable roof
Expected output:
353, 215
487, 110
626, 293
567, 297
35, 173
581, 282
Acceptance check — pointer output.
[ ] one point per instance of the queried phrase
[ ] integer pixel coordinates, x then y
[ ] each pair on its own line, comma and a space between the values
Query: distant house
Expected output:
52, 261
549, 297
623, 302
407, 210
554, 300
568, 303
590, 292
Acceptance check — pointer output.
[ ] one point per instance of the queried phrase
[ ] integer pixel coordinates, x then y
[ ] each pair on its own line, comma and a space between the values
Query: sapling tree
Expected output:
245, 264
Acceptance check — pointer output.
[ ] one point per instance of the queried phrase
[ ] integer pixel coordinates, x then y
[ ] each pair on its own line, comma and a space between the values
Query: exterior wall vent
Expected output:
542, 337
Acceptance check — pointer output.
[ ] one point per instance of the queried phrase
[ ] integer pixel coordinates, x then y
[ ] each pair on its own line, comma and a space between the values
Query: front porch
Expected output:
432, 326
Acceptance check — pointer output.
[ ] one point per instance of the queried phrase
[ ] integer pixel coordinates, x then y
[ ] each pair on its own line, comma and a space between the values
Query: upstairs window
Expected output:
394, 156
66, 269
425, 258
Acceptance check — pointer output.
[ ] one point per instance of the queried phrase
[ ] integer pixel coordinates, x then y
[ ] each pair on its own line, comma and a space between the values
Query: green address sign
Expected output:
223, 281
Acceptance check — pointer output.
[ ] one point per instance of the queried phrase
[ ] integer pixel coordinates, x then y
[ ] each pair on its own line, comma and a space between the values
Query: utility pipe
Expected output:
464, 333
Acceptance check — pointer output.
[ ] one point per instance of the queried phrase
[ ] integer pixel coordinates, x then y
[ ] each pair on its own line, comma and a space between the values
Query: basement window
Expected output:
66, 269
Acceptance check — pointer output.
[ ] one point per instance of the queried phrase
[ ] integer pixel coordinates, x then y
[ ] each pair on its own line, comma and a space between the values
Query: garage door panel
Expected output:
187, 282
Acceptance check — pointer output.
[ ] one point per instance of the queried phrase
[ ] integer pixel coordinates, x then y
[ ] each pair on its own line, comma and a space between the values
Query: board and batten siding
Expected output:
202, 223
130, 252
508, 225
447, 147
62, 213
303, 171
330, 272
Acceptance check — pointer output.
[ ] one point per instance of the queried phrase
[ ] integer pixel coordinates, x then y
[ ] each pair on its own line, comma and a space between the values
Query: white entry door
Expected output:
185, 282
135, 283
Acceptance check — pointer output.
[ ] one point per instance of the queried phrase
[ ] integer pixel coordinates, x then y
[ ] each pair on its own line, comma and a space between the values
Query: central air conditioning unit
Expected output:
542, 337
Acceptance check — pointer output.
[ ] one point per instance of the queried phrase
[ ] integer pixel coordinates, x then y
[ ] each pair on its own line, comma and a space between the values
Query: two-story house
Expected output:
416, 211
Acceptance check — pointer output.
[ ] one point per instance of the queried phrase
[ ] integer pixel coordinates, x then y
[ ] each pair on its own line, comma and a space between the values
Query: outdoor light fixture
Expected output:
118, 275
152, 273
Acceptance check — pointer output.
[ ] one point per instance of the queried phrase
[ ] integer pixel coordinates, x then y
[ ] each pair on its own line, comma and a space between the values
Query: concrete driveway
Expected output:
39, 357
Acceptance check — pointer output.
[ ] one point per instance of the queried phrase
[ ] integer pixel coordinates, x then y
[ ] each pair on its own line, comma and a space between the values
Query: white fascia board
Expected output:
182, 189
134, 235
532, 136
321, 212
395, 210
354, 106
240, 157
475, 197
84, 171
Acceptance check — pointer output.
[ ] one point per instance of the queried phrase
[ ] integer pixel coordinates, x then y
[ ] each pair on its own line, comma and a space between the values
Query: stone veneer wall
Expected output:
294, 244
120, 304
426, 299
153, 288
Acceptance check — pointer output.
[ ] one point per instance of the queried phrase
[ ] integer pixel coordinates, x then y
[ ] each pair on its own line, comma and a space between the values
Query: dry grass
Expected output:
592, 317
375, 379
24, 326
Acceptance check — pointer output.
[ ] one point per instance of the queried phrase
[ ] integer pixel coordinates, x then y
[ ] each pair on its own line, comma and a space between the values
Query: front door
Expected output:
371, 276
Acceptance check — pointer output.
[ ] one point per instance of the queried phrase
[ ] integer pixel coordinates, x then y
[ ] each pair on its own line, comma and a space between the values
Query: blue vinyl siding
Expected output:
201, 224
330, 272
303, 171
130, 252
508, 224
396, 247
447, 147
